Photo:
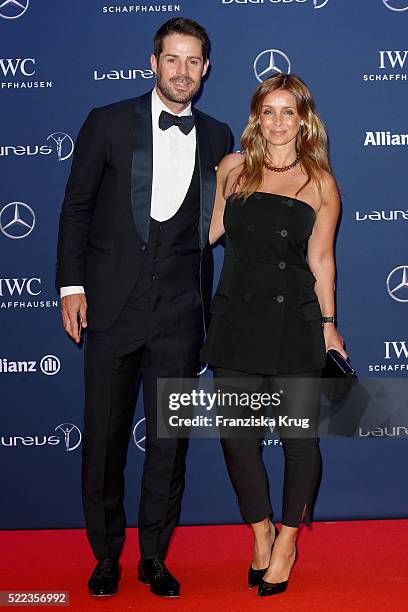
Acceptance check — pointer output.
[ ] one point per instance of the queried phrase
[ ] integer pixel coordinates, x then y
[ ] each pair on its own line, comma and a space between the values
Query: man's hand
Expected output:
73, 309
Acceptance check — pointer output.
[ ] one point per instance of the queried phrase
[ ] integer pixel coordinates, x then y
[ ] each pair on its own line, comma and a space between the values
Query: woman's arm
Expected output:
321, 260
224, 180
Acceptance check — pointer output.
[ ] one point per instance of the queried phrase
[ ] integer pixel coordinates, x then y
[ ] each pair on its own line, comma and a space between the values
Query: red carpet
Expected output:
359, 565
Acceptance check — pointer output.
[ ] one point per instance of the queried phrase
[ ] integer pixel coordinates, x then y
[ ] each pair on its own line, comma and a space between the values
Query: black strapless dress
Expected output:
266, 318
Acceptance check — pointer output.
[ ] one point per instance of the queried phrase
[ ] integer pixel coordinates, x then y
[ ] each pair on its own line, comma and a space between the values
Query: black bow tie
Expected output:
185, 123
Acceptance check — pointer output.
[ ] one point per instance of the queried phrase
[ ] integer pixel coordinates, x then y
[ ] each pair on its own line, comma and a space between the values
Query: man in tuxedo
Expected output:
134, 267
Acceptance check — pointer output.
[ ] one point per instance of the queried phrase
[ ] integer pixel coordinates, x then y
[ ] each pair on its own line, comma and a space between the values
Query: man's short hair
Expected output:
181, 25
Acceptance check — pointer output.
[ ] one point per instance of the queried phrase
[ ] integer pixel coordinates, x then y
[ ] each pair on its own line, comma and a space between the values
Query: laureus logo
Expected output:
72, 435
63, 143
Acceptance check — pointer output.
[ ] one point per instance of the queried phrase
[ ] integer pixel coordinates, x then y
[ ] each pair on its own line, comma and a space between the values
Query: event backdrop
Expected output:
60, 59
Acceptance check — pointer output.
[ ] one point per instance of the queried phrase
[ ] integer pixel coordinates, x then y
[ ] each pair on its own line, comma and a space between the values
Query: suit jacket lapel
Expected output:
142, 171
142, 166
207, 178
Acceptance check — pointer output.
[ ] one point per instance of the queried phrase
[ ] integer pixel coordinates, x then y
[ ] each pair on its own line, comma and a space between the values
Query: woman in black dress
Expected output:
273, 311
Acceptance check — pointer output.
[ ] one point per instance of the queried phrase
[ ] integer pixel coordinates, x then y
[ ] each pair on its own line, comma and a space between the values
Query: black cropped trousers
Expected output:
243, 455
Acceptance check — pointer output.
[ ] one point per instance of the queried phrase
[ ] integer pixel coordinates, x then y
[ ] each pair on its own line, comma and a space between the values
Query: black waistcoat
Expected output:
172, 256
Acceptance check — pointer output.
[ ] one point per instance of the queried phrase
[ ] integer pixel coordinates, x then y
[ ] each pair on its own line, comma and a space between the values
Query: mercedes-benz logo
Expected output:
202, 368
269, 63
139, 435
63, 143
17, 220
72, 435
390, 4
12, 9
397, 284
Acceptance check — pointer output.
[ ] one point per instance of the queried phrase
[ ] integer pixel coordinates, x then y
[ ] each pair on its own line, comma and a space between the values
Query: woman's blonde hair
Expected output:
311, 140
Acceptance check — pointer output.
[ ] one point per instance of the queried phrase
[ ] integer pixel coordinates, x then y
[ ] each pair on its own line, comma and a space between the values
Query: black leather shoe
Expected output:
155, 573
105, 578
274, 588
255, 575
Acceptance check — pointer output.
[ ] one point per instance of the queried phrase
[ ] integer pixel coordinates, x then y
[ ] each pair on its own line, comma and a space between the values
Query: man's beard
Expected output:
172, 96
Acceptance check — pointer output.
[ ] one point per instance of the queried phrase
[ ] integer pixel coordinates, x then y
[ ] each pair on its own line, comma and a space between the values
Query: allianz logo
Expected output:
382, 215
385, 139
384, 432
48, 365
115, 75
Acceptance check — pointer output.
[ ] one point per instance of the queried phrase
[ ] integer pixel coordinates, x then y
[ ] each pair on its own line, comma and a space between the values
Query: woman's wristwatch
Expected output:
328, 320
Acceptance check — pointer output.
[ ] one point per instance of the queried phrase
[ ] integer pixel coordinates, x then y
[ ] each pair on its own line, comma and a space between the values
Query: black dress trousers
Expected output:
153, 338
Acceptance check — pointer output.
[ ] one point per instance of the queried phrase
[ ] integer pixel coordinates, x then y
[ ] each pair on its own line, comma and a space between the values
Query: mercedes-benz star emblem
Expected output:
17, 220
397, 284
139, 435
63, 143
12, 9
269, 63
396, 5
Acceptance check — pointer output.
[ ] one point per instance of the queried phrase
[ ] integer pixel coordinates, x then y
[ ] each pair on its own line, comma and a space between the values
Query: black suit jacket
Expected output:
104, 223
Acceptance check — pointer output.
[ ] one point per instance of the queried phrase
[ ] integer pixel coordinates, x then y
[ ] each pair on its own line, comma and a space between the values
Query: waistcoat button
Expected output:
281, 265
289, 203
251, 227
280, 299
284, 233
247, 297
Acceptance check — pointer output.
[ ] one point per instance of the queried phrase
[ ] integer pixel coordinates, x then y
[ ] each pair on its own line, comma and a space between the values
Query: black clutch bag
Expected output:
337, 367
339, 377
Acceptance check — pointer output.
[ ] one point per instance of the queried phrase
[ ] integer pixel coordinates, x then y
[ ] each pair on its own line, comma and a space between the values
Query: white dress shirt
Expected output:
173, 167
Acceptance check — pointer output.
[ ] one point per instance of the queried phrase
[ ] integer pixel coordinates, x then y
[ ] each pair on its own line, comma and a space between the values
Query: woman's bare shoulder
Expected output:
231, 161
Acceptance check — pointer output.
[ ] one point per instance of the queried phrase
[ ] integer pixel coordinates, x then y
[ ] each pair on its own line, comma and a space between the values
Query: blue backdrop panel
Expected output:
57, 61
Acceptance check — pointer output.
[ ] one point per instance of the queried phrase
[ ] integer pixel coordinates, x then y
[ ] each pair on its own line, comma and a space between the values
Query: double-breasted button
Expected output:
251, 227
284, 233
282, 265
156, 260
154, 277
280, 299
143, 247
247, 297
289, 203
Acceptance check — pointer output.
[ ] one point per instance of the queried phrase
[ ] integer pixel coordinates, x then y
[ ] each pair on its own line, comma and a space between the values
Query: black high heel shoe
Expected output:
255, 575
266, 588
